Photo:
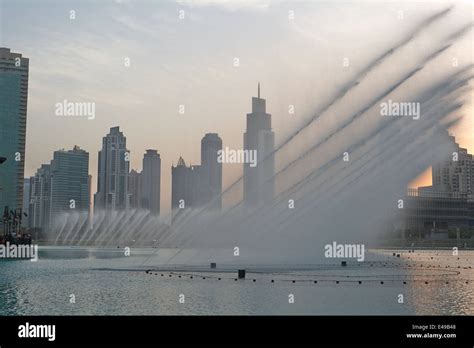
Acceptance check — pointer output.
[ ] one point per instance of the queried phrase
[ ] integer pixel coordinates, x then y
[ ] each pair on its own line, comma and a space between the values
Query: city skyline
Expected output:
229, 157
215, 93
210, 167
258, 106
451, 176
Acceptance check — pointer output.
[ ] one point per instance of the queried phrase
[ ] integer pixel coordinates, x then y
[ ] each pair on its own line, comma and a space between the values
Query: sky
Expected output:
185, 53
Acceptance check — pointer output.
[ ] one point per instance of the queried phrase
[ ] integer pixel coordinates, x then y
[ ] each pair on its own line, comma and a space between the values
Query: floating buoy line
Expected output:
443, 274
322, 279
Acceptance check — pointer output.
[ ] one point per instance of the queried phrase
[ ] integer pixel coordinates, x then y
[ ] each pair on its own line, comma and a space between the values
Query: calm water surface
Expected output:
105, 282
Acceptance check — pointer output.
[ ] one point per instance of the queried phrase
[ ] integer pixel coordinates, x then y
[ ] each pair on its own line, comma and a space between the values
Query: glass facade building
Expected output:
60, 187
112, 185
151, 182
70, 181
13, 109
211, 144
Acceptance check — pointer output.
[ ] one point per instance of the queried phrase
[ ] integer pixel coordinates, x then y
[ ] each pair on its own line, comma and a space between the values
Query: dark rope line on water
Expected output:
335, 266
337, 281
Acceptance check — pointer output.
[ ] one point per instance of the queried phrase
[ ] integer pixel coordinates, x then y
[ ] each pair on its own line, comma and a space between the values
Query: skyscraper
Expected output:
199, 185
135, 189
259, 184
70, 181
181, 185
26, 199
211, 170
40, 198
62, 186
13, 108
151, 182
113, 164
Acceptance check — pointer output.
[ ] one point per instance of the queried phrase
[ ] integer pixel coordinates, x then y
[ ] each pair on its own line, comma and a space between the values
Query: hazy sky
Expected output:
190, 61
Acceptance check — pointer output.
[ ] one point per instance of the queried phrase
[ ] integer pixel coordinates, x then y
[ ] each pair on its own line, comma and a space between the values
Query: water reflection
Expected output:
105, 282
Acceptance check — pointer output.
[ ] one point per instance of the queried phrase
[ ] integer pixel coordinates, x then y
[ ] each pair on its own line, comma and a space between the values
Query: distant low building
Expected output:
456, 172
433, 214
447, 206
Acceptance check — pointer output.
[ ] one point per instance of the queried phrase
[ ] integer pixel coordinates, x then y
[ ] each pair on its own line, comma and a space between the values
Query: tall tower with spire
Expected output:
259, 183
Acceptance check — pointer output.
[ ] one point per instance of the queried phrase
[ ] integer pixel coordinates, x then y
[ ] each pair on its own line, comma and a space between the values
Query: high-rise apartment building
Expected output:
135, 189
13, 109
60, 187
40, 198
151, 182
70, 181
113, 164
211, 171
181, 186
